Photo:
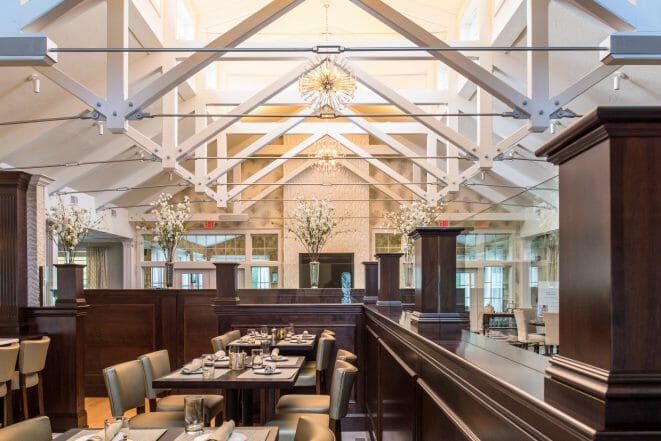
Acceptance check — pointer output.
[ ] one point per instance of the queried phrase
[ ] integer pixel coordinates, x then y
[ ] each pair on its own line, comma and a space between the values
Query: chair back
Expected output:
125, 384
8, 356
529, 314
155, 365
344, 355
34, 429
521, 325
306, 430
32, 355
218, 344
552, 326
328, 331
233, 335
325, 348
344, 377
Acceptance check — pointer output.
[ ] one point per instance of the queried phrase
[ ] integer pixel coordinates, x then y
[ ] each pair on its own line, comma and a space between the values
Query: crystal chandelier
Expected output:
327, 156
328, 85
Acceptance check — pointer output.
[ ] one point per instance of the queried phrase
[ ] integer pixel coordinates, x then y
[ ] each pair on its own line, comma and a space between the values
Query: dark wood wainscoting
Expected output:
123, 324
345, 320
472, 390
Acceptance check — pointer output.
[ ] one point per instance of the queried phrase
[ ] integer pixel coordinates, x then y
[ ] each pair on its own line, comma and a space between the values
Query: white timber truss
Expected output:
119, 110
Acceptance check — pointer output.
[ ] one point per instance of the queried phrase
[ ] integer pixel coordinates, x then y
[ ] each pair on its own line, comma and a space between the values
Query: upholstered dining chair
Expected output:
328, 331
34, 429
313, 372
233, 335
125, 384
336, 405
156, 365
552, 330
219, 343
31, 361
524, 337
344, 355
306, 430
8, 356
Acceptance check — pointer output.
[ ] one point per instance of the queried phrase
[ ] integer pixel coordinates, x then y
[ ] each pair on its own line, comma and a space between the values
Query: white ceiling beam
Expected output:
35, 13
201, 152
392, 174
73, 87
198, 61
117, 64
223, 123
129, 181
601, 13
538, 61
256, 146
433, 124
510, 30
221, 151
271, 188
454, 59
257, 128
292, 153
400, 148
369, 179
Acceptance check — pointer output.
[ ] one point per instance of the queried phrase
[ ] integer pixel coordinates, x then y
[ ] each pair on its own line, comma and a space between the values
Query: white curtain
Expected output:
97, 267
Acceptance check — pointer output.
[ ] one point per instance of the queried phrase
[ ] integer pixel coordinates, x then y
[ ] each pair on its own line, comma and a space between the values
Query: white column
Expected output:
36, 231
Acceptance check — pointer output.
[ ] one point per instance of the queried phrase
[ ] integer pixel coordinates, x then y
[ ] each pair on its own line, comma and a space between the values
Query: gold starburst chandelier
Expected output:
328, 85
327, 156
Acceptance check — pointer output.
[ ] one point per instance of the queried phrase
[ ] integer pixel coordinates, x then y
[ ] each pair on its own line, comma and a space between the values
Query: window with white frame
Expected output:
185, 22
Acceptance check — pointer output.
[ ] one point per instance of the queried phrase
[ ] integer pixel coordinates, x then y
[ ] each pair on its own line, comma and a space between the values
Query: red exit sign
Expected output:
444, 223
208, 225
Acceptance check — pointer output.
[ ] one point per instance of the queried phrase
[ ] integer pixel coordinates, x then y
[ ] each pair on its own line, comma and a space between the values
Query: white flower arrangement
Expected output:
68, 225
170, 223
408, 218
313, 224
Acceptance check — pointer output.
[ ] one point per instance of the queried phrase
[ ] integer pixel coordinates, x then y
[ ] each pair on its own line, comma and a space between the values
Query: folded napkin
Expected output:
101, 434
220, 354
193, 366
223, 433
275, 353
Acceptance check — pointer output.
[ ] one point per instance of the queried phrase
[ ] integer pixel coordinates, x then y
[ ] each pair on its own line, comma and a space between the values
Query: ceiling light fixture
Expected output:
553, 125
327, 156
328, 85
99, 126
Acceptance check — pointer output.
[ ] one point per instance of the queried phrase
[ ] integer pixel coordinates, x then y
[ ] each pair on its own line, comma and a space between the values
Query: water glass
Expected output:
265, 331
251, 332
265, 347
194, 414
257, 358
113, 426
209, 366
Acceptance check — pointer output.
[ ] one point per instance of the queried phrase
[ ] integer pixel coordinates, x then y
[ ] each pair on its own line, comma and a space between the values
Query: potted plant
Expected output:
169, 228
313, 223
68, 225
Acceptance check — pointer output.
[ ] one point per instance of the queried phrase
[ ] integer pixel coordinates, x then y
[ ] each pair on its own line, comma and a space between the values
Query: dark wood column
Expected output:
226, 295
64, 375
371, 282
608, 373
389, 294
13, 250
439, 310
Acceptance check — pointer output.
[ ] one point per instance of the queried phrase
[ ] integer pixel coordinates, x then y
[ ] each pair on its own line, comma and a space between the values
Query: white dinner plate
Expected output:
236, 436
263, 372
280, 358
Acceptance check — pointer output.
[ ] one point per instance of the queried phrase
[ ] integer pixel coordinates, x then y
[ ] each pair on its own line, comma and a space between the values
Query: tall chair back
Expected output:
324, 352
233, 335
218, 344
521, 325
306, 430
125, 383
344, 377
155, 365
349, 357
552, 326
8, 356
34, 429
32, 355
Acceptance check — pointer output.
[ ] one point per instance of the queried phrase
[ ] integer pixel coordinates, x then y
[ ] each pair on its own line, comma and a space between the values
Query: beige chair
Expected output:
344, 355
31, 361
220, 343
156, 365
233, 335
313, 372
335, 405
34, 429
306, 430
552, 327
8, 356
524, 337
125, 383
328, 331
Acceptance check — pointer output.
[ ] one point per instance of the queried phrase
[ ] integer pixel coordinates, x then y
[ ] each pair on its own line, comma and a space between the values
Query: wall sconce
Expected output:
617, 78
36, 83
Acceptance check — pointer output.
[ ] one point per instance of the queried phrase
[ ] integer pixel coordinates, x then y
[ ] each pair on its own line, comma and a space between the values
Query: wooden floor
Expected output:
98, 409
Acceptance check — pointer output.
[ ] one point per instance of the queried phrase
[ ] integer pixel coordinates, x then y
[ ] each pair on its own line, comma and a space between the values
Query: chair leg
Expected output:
336, 427
318, 383
9, 405
24, 395
152, 404
40, 398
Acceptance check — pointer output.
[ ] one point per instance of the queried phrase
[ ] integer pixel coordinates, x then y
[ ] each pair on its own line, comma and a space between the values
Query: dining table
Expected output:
244, 381
255, 433
290, 345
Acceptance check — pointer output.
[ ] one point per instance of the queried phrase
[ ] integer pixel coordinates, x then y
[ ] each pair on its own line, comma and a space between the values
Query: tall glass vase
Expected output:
169, 274
69, 254
408, 274
314, 274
